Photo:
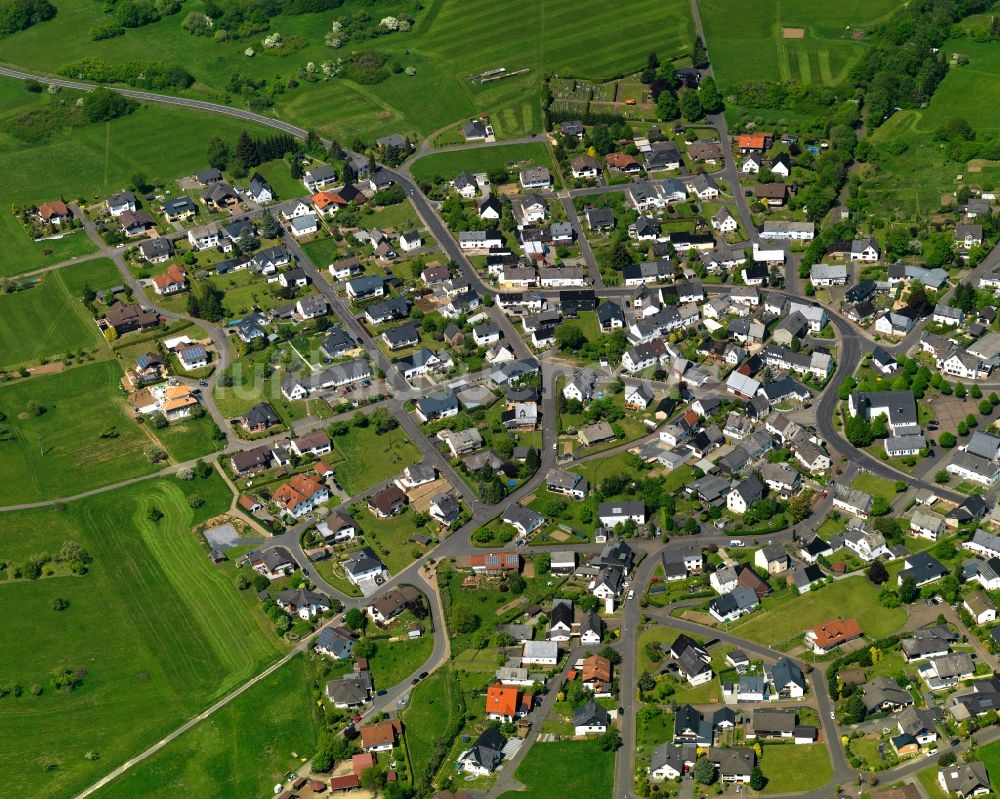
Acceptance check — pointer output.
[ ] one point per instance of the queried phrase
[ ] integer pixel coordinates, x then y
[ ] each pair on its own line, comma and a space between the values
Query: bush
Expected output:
108, 30
103, 105
142, 74
366, 68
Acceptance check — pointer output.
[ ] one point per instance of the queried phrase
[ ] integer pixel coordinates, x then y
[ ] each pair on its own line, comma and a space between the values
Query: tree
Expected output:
667, 107
908, 591
757, 779
888, 598
646, 682
691, 106
611, 655
516, 583
323, 758
543, 564
947, 440
918, 300
711, 99
270, 227
373, 780
218, 153
799, 507
103, 105
588, 603
858, 431
854, 709
354, 619
569, 337
699, 55
941, 476
365, 648
610, 741
877, 573
464, 620
704, 771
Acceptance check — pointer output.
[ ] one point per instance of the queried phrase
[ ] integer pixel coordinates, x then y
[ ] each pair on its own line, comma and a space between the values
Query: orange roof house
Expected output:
301, 488
174, 279
56, 209
332, 200
831, 634
621, 162
596, 673
502, 702
752, 142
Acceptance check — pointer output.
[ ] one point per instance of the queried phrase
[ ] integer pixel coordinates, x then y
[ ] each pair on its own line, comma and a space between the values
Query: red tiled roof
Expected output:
755, 141
501, 699
834, 632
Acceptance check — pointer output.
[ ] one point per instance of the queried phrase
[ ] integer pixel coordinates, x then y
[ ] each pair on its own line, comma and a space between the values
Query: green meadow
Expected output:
451, 41
158, 630
84, 439
242, 750
50, 319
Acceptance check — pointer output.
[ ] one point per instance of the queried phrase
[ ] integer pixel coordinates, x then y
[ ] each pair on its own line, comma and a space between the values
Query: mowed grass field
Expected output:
565, 768
49, 319
61, 453
158, 629
242, 750
851, 598
751, 45
448, 165
792, 768
451, 41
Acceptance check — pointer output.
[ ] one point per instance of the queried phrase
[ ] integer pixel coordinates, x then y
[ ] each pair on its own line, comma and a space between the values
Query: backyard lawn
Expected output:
565, 768
990, 755
875, 486
159, 631
791, 768
391, 537
396, 661
82, 438
446, 165
368, 458
791, 614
